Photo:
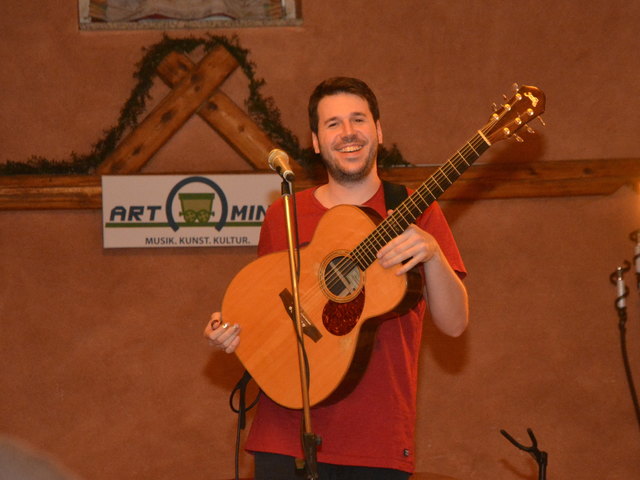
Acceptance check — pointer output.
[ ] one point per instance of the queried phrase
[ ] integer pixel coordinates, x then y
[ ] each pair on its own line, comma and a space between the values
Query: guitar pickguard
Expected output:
340, 318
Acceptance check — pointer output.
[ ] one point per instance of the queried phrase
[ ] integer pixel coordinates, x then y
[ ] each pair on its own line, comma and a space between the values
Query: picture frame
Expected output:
186, 14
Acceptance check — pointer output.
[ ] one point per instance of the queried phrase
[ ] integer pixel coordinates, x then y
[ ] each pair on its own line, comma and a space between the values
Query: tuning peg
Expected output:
505, 97
495, 107
515, 87
518, 138
542, 122
529, 129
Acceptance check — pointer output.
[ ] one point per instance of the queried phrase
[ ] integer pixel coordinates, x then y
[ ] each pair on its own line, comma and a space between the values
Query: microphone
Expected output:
279, 161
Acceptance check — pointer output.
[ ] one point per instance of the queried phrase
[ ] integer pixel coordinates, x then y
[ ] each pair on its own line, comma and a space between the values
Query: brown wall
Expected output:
101, 356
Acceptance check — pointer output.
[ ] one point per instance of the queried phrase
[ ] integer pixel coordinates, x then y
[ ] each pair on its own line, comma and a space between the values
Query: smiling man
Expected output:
347, 137
368, 434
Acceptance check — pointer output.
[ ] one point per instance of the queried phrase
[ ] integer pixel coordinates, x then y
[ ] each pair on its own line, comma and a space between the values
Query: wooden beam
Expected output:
171, 113
534, 179
50, 192
481, 181
222, 114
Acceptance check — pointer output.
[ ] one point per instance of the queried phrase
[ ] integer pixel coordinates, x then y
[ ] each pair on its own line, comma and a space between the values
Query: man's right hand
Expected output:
222, 335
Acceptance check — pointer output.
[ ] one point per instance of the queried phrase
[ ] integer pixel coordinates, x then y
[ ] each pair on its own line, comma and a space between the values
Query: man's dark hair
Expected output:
335, 85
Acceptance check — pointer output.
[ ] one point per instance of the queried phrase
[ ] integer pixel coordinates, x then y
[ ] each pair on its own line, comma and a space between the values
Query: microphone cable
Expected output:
616, 278
240, 390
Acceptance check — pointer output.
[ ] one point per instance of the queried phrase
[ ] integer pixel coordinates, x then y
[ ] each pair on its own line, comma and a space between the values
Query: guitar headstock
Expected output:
527, 104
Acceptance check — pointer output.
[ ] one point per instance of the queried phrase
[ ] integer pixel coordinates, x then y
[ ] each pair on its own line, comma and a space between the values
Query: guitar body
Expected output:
268, 347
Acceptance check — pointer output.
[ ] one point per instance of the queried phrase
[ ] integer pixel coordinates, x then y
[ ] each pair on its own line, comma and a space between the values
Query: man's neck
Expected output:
333, 193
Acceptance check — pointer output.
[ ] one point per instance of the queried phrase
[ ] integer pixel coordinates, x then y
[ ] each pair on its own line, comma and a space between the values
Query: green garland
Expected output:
262, 111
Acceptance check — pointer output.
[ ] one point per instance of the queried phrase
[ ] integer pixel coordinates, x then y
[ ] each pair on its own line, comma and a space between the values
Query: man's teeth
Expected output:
353, 148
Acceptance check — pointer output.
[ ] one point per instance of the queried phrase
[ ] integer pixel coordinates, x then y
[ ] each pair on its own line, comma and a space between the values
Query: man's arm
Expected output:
446, 295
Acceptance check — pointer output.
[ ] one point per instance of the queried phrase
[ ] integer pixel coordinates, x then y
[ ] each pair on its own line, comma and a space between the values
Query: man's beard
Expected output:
348, 177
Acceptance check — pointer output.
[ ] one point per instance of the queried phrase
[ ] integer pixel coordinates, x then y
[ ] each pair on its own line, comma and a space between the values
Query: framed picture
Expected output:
178, 14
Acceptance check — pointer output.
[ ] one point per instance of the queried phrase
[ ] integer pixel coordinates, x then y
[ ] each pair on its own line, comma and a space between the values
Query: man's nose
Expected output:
347, 129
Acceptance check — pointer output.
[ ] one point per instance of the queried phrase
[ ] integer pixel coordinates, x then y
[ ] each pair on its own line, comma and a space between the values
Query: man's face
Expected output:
347, 137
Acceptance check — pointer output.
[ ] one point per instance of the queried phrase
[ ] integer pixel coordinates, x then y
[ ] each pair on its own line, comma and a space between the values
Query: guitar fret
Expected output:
445, 175
430, 192
435, 180
369, 249
385, 236
464, 154
454, 167
395, 225
418, 194
361, 262
400, 212
463, 159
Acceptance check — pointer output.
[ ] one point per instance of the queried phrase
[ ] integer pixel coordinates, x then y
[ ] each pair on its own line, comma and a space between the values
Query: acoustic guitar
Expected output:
341, 285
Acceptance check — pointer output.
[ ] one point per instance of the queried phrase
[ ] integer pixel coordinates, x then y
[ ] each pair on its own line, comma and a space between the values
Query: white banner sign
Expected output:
185, 211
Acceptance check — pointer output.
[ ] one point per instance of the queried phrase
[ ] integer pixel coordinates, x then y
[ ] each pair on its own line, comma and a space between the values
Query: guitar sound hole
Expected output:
342, 279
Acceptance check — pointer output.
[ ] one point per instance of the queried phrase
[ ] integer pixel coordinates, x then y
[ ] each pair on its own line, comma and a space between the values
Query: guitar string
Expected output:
396, 223
406, 212
363, 255
415, 204
412, 206
372, 244
439, 180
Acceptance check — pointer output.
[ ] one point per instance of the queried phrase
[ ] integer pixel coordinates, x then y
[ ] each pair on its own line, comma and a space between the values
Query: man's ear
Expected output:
316, 144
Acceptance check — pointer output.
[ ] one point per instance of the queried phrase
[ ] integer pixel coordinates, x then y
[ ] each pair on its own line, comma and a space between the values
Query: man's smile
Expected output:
350, 149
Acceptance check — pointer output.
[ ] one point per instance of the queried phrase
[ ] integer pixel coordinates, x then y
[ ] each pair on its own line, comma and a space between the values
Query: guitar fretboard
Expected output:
414, 205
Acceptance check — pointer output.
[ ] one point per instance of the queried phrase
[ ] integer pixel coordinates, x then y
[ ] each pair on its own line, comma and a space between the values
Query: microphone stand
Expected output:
538, 455
635, 236
620, 304
310, 441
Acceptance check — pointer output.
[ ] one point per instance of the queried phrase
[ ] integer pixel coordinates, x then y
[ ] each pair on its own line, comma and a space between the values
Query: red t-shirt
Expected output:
374, 425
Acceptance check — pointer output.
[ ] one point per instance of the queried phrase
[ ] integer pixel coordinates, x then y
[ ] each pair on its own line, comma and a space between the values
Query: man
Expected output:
368, 434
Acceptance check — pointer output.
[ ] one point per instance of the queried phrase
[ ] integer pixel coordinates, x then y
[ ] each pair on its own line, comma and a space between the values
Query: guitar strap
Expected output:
394, 194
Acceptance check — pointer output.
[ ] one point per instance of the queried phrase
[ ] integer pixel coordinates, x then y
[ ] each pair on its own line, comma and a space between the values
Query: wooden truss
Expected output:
195, 91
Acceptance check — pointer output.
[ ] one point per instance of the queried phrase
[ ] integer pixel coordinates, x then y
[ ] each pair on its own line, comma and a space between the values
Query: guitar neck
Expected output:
413, 206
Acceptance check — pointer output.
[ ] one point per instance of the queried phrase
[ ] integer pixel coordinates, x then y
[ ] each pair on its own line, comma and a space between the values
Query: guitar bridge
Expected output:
308, 328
